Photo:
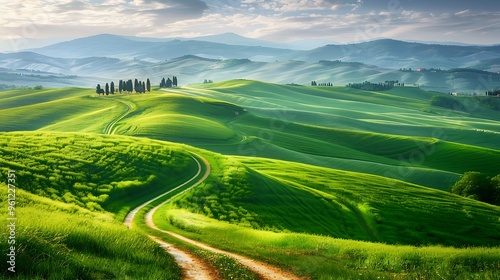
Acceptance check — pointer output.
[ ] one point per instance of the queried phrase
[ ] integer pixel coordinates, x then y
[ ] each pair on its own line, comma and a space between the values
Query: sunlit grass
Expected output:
81, 244
93, 171
322, 257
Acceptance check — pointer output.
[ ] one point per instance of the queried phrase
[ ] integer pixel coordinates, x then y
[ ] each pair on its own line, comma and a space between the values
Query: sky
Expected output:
341, 21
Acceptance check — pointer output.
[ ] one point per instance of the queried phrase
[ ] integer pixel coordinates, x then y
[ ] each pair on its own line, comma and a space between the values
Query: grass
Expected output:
67, 109
305, 218
310, 185
321, 257
80, 243
290, 197
97, 172
388, 133
362, 131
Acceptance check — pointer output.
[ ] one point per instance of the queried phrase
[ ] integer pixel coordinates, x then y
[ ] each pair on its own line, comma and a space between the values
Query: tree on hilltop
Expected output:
130, 86
120, 86
98, 89
112, 87
107, 89
148, 85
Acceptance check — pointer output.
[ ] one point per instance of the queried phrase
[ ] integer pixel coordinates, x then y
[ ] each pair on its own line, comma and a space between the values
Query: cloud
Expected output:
278, 20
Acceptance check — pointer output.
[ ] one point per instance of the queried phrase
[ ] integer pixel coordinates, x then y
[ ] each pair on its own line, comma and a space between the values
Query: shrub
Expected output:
478, 186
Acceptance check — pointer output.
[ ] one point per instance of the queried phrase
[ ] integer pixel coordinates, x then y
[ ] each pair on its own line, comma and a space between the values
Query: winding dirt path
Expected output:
193, 268
109, 128
263, 270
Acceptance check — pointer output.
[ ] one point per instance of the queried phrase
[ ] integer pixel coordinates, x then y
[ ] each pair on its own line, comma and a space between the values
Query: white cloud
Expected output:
279, 20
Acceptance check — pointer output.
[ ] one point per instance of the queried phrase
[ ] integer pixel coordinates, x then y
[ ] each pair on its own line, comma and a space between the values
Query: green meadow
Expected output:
327, 182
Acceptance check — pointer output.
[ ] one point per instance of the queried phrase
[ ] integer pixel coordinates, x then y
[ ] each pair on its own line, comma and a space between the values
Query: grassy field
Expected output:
290, 197
320, 180
396, 133
306, 219
321, 257
57, 240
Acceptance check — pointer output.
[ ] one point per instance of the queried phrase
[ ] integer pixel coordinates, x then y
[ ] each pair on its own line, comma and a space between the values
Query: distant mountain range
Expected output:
85, 61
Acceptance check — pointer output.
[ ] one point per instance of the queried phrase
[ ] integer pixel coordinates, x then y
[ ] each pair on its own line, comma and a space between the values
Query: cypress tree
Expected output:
98, 89
148, 85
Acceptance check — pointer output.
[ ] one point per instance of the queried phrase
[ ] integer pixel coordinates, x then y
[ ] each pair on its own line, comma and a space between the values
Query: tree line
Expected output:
387, 85
493, 92
124, 86
130, 86
168, 83
327, 84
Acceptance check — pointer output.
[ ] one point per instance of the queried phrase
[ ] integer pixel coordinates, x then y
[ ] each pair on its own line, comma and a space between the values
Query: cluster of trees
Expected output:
128, 86
168, 83
208, 81
372, 86
493, 92
5, 86
328, 84
138, 86
478, 186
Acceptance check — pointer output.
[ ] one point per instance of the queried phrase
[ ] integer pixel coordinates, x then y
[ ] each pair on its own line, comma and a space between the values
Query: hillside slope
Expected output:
395, 133
72, 191
290, 197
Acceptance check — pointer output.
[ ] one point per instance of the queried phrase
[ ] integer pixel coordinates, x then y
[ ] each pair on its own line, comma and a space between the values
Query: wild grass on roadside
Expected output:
55, 240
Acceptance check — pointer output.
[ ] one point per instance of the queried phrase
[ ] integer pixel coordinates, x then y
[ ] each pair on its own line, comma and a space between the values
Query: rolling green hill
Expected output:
72, 192
396, 133
291, 197
357, 168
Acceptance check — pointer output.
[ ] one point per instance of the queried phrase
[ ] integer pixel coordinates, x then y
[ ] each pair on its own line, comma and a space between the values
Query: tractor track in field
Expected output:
192, 266
109, 128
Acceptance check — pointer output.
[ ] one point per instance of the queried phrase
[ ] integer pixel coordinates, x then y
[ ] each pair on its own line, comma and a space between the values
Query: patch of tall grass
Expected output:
97, 172
56, 240
321, 257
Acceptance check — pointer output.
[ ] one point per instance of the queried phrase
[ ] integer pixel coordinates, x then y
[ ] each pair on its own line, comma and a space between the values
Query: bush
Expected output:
478, 186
